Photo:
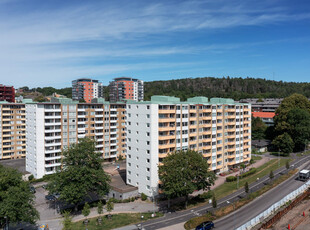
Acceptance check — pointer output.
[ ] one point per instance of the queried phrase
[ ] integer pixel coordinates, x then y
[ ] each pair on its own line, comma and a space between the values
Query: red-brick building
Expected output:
7, 93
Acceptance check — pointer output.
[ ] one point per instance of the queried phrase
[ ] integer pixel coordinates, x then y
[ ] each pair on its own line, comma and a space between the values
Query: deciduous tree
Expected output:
284, 143
184, 172
16, 200
81, 173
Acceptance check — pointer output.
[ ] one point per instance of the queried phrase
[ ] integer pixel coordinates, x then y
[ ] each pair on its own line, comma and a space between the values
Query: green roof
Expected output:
3, 102
201, 100
165, 99
222, 101
28, 101
63, 100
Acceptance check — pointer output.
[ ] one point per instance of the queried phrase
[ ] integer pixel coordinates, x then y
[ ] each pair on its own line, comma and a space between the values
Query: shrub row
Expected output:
234, 178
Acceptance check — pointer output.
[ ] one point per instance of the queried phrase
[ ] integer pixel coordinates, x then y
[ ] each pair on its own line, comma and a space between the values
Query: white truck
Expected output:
304, 175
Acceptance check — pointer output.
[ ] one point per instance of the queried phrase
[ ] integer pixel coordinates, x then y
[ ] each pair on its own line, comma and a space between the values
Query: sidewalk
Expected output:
131, 207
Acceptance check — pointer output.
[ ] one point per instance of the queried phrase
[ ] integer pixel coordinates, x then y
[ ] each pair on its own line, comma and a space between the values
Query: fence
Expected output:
259, 218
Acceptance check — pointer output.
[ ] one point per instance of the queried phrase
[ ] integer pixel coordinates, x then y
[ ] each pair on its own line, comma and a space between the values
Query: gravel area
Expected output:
295, 218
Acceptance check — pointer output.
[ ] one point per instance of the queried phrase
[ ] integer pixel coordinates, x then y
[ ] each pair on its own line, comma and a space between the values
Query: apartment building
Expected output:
87, 89
218, 128
7, 93
126, 88
12, 130
268, 105
54, 126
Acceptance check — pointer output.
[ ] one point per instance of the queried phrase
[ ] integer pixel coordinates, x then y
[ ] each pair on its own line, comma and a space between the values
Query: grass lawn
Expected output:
302, 154
230, 187
117, 220
256, 158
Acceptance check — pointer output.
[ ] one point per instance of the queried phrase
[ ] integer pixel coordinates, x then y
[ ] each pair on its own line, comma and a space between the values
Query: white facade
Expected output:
43, 124
142, 147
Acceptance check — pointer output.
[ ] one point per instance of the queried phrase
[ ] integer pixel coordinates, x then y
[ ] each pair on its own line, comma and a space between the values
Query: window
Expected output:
148, 143
147, 107
148, 178
148, 125
148, 151
147, 115
147, 134
147, 160
147, 169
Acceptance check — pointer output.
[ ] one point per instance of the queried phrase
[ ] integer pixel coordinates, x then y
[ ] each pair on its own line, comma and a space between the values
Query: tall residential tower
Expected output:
126, 88
87, 89
220, 129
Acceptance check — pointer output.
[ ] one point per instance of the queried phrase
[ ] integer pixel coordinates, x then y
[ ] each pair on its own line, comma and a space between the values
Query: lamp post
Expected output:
279, 158
153, 192
234, 213
6, 223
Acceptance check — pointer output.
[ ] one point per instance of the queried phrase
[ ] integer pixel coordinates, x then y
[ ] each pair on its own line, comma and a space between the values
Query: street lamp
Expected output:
279, 158
153, 192
233, 212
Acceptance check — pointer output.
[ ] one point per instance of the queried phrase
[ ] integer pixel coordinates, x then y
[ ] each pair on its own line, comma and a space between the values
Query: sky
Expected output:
52, 42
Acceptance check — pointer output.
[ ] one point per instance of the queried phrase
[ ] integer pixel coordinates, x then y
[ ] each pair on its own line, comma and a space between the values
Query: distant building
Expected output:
261, 145
267, 117
7, 93
126, 88
263, 105
86, 89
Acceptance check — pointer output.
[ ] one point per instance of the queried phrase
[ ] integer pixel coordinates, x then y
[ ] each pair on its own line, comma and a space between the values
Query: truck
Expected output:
304, 175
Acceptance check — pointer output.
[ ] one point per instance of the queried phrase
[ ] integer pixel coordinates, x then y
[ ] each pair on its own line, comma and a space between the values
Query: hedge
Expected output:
234, 178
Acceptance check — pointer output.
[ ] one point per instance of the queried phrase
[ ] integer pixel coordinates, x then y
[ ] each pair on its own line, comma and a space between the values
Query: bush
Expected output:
143, 197
231, 178
31, 177
251, 172
206, 195
132, 199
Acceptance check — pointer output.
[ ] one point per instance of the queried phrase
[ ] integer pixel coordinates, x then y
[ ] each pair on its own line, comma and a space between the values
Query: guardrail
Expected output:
259, 218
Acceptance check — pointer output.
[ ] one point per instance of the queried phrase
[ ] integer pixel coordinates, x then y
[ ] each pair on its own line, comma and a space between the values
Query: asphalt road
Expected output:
242, 215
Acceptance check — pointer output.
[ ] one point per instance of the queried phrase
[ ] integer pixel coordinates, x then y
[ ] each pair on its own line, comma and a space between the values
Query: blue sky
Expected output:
52, 42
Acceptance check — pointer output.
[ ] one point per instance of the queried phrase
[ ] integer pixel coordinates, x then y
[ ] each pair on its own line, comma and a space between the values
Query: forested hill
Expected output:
236, 88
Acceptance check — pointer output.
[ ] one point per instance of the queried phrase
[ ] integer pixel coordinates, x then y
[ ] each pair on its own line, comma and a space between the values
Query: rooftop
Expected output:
263, 114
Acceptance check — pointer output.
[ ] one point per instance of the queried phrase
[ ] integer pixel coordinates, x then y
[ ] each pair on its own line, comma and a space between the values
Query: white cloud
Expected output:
46, 43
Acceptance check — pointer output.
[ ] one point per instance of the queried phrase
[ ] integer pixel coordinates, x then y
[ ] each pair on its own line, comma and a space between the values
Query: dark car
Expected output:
205, 226
50, 197
32, 189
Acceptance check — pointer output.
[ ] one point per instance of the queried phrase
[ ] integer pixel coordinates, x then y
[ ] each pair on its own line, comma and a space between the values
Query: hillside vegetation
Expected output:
236, 88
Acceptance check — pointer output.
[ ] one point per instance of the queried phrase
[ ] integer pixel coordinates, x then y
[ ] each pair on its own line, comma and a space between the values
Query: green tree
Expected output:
16, 200
109, 207
299, 127
287, 164
271, 176
292, 102
67, 221
184, 172
284, 143
258, 128
214, 203
81, 173
246, 187
86, 210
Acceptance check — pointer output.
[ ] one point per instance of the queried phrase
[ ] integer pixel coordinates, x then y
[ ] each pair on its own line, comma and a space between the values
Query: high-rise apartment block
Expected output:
126, 88
7, 93
53, 127
12, 130
87, 89
220, 129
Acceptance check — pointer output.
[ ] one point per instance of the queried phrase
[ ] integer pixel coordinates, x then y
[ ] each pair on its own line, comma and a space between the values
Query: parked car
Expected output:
32, 189
205, 226
43, 227
50, 197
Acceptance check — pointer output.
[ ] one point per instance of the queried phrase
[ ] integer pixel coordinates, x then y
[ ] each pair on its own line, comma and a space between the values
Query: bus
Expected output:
304, 175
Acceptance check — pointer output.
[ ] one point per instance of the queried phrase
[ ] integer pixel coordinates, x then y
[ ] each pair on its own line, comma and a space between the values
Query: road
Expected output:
243, 214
